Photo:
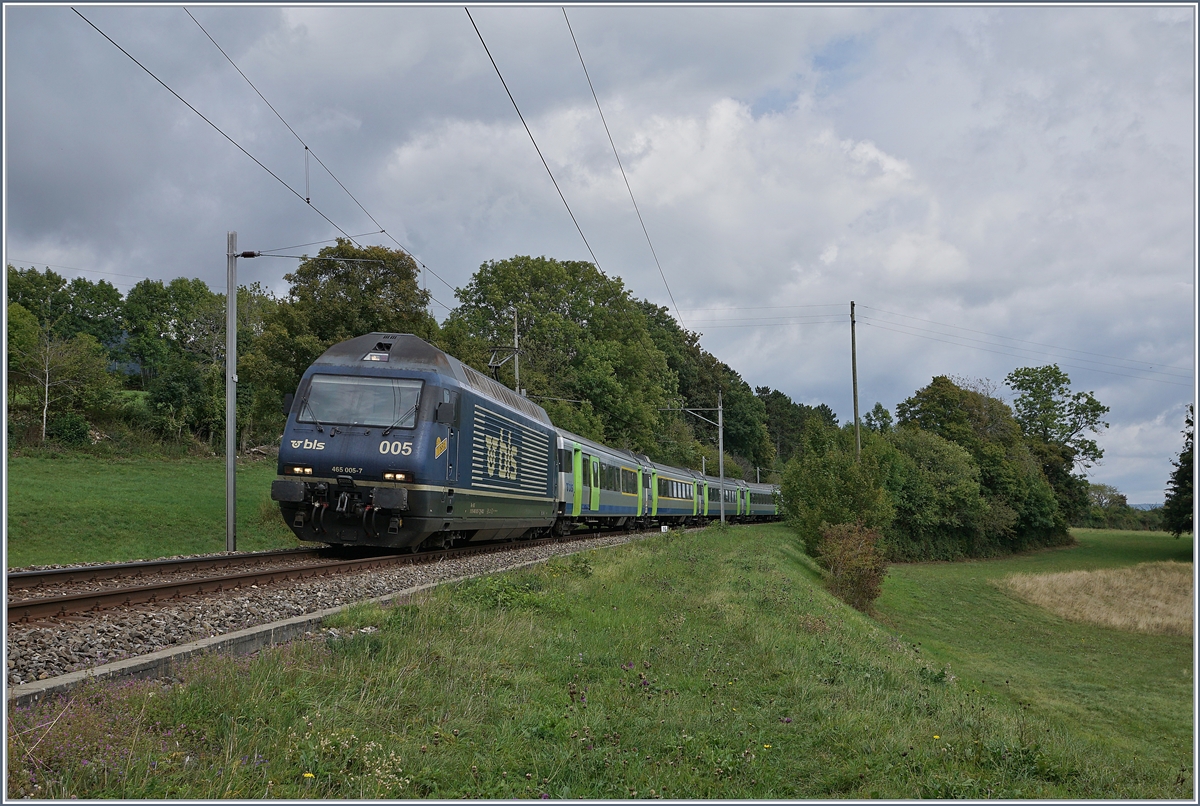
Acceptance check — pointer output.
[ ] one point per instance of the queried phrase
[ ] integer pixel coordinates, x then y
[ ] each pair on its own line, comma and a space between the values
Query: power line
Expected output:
1014, 355
771, 320
349, 260
767, 307
73, 268
622, 167
1010, 338
1025, 349
307, 150
531, 139
210, 123
776, 324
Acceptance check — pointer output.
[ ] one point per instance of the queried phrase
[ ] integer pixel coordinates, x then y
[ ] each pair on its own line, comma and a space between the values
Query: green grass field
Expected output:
80, 508
1131, 693
688, 665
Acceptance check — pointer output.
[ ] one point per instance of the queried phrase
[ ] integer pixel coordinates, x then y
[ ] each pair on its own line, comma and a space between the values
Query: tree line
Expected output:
959, 472
86, 360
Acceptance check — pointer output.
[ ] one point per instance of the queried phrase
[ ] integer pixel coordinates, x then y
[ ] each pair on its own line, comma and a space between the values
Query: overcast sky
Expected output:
994, 187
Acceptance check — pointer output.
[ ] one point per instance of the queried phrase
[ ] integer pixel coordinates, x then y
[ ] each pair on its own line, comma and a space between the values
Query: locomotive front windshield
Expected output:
358, 400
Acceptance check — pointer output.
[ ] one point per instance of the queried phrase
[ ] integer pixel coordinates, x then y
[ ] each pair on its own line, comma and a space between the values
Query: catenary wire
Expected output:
219, 130
531, 138
264, 252
1025, 349
350, 260
622, 167
1014, 355
382, 230
289, 128
210, 123
546, 165
1010, 338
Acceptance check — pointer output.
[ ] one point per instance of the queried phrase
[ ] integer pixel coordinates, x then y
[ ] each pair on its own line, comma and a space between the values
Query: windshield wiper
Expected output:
400, 419
311, 411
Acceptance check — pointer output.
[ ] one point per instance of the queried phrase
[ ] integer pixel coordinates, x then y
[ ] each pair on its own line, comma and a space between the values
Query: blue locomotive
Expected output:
391, 442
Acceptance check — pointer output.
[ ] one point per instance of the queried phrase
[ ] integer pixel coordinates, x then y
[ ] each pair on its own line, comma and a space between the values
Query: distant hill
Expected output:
1144, 506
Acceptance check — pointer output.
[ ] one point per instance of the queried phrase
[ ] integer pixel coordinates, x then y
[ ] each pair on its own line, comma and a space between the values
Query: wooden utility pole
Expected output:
854, 375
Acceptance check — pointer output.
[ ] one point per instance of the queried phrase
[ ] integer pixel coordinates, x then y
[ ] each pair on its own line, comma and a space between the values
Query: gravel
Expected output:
51, 648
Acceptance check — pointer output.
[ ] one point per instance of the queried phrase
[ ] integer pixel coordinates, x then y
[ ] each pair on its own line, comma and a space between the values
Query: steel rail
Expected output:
56, 606
29, 580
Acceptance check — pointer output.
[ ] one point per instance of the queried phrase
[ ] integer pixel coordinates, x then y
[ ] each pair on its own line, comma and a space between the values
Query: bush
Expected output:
824, 484
68, 428
940, 511
854, 560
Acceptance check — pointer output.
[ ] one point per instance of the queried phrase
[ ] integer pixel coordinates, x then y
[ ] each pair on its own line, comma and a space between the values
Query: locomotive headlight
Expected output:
297, 470
395, 475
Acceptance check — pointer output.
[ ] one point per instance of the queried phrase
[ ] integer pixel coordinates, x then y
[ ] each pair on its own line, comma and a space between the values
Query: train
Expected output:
392, 443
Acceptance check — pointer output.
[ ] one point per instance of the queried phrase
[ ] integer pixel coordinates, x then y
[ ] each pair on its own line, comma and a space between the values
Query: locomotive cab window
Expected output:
363, 401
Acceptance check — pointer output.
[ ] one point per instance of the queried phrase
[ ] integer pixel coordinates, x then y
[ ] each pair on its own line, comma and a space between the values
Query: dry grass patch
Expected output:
1150, 597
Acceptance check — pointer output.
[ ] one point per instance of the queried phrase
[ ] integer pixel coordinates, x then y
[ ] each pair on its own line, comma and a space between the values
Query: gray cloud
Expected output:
1017, 171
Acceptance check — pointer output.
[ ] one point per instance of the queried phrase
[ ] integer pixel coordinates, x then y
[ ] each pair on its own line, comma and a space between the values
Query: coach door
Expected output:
594, 501
577, 477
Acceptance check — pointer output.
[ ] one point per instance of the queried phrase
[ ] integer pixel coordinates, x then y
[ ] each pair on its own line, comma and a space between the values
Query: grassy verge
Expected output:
705, 665
75, 507
1129, 693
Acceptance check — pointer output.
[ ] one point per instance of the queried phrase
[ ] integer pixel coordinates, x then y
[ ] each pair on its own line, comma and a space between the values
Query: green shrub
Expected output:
940, 509
68, 428
855, 563
826, 485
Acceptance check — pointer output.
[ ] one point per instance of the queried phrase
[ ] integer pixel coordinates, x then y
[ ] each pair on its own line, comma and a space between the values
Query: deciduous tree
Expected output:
586, 355
60, 370
1048, 410
1022, 507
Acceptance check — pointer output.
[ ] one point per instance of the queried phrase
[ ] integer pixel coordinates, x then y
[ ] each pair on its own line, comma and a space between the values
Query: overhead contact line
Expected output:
622, 167
531, 138
307, 150
1023, 341
213, 125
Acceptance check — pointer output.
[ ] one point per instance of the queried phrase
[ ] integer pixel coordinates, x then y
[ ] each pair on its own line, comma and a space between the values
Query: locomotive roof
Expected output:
406, 351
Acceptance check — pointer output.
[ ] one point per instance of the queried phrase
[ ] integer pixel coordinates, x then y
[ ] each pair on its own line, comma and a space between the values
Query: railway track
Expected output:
125, 584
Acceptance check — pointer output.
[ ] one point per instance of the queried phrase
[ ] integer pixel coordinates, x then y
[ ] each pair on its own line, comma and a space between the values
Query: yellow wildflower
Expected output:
309, 775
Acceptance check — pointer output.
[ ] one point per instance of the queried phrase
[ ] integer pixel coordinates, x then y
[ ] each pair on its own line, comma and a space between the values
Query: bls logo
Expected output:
308, 444
501, 456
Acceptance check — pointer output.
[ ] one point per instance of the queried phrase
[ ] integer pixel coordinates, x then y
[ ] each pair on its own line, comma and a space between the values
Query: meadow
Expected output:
709, 664
1129, 692
74, 507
